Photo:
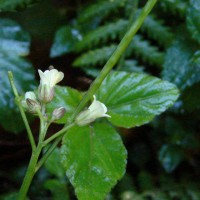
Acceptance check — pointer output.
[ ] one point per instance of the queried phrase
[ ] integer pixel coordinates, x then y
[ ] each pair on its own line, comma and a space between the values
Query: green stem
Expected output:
116, 55
30, 172
131, 18
47, 153
58, 137
28, 129
59, 133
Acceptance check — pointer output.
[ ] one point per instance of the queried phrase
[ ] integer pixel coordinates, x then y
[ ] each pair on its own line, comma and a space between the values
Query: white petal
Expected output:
43, 77
30, 95
50, 77
105, 115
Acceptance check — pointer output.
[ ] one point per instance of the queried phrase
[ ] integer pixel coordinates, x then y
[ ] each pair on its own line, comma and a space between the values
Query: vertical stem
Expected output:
28, 129
131, 18
30, 172
116, 55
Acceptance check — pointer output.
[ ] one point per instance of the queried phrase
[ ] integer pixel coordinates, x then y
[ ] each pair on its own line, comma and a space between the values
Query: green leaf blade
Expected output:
134, 99
64, 41
13, 39
181, 65
94, 159
15, 43
65, 97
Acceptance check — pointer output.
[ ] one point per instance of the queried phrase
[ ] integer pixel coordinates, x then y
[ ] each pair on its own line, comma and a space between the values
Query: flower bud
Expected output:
30, 103
58, 113
94, 111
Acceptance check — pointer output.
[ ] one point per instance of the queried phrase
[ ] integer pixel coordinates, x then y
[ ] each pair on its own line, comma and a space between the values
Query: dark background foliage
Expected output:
77, 37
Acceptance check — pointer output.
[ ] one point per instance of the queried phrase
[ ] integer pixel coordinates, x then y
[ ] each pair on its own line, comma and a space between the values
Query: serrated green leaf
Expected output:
102, 8
193, 19
94, 159
156, 30
12, 5
179, 66
130, 66
175, 6
146, 51
65, 97
170, 157
102, 34
64, 41
14, 43
58, 189
93, 57
134, 99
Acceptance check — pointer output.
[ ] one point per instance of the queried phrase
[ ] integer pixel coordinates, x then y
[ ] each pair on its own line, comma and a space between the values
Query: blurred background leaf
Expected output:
15, 44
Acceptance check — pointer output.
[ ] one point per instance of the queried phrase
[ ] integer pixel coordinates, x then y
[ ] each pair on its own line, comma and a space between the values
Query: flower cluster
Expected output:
48, 80
36, 103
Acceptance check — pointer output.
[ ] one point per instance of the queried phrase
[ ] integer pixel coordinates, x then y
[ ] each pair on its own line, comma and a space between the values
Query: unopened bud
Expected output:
58, 113
30, 102
33, 105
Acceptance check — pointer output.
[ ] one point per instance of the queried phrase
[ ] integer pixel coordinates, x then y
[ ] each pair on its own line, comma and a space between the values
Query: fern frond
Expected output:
157, 31
102, 34
102, 8
131, 66
91, 58
175, 6
91, 71
144, 50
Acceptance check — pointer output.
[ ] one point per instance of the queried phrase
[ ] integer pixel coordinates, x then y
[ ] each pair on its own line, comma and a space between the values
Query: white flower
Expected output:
94, 111
48, 80
50, 77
